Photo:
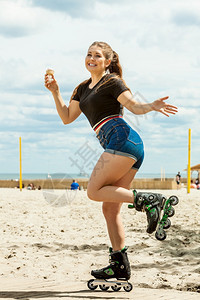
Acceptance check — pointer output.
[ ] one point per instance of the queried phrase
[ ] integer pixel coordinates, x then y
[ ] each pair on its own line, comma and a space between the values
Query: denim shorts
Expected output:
117, 137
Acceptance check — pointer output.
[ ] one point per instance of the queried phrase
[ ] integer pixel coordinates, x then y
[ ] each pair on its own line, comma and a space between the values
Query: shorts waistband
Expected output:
96, 126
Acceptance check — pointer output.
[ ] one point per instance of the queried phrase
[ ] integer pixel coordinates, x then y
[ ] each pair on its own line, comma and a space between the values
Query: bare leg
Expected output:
114, 223
109, 169
112, 215
110, 183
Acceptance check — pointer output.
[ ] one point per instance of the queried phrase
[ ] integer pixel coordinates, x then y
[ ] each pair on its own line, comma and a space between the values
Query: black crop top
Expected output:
101, 101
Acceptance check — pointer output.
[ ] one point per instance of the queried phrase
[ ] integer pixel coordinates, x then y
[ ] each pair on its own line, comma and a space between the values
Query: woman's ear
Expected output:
108, 62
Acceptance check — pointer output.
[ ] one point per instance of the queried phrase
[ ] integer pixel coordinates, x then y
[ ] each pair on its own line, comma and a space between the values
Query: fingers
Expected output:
171, 108
167, 108
48, 81
47, 77
164, 113
171, 111
169, 105
164, 98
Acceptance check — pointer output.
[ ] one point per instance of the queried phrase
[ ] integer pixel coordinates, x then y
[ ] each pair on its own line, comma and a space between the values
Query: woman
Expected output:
102, 98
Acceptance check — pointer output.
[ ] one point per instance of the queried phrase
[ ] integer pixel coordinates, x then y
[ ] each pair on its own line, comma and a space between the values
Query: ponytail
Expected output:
115, 66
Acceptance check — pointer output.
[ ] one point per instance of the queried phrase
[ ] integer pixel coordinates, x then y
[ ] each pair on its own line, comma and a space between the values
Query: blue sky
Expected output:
158, 43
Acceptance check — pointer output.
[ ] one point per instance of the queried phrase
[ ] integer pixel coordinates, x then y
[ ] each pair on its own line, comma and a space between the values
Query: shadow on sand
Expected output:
79, 294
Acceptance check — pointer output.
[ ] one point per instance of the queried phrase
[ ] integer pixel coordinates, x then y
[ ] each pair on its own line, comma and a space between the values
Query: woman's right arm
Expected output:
67, 114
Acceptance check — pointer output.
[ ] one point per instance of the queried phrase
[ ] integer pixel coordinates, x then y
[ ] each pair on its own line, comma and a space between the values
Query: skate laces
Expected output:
112, 261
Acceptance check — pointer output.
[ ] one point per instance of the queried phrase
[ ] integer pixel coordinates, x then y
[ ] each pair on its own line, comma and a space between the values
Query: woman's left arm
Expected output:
138, 108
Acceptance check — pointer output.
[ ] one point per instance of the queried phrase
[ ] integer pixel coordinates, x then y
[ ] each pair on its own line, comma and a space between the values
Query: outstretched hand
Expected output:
164, 108
52, 84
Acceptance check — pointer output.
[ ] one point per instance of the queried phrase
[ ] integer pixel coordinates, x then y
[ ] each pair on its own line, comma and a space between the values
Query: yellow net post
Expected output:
189, 164
20, 164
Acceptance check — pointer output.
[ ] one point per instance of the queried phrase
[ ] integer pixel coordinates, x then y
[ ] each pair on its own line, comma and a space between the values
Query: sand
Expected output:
50, 241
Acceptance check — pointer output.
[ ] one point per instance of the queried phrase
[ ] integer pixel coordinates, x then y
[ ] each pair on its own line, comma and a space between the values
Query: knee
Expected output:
92, 193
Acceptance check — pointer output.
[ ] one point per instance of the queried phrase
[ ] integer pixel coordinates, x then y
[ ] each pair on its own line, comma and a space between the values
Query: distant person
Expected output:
31, 186
197, 183
74, 185
178, 178
192, 184
19, 186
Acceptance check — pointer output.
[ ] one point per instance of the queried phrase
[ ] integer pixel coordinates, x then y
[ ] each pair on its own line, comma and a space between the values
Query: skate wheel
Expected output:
103, 287
174, 200
115, 288
161, 236
91, 285
171, 212
167, 224
128, 287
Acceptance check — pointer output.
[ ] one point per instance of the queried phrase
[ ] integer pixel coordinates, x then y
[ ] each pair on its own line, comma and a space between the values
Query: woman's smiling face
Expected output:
95, 60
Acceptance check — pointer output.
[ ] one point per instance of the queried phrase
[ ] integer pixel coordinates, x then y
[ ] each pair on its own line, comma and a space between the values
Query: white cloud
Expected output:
73, 8
18, 19
158, 44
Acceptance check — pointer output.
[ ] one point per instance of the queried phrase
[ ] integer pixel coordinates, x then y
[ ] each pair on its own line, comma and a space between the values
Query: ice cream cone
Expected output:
49, 72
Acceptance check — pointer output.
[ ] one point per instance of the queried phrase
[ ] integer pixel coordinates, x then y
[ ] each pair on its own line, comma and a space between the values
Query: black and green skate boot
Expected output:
118, 268
150, 203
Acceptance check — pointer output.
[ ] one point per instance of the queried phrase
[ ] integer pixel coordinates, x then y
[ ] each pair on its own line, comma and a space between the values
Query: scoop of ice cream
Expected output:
49, 72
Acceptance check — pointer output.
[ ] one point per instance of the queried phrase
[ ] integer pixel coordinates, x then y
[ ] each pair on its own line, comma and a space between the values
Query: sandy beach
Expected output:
50, 241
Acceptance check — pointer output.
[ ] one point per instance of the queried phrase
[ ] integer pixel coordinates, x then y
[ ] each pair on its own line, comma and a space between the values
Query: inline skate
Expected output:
118, 271
153, 204
168, 212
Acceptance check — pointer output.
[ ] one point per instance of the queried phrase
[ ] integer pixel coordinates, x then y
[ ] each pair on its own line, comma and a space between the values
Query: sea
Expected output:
15, 176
